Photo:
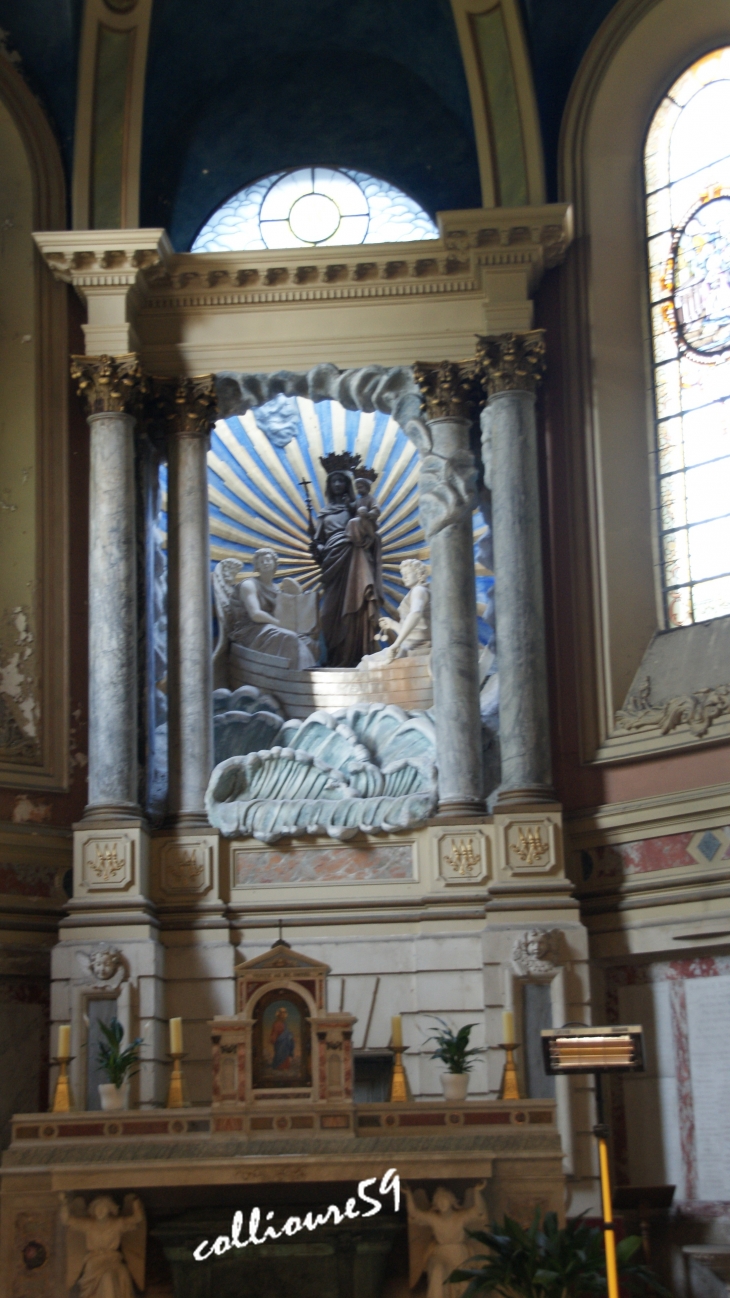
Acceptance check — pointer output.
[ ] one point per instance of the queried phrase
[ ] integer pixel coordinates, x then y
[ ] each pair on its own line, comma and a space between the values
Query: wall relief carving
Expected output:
103, 965
697, 710
536, 953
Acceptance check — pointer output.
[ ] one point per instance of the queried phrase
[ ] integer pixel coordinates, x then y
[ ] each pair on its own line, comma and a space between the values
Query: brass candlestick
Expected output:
399, 1093
63, 1100
176, 1097
510, 1088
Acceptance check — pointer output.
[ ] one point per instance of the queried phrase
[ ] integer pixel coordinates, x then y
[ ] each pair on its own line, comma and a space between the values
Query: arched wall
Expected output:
33, 399
607, 381
34, 592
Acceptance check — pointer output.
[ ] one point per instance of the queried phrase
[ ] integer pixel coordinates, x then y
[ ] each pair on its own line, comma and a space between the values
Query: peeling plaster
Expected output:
26, 811
20, 713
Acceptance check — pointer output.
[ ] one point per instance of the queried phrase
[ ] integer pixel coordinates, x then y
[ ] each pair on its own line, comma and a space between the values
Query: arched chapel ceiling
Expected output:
239, 88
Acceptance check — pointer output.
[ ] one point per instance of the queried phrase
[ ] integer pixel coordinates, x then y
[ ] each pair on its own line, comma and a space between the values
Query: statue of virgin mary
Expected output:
347, 548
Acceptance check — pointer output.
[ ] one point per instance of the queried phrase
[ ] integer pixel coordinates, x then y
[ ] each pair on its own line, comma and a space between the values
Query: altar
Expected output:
193, 1169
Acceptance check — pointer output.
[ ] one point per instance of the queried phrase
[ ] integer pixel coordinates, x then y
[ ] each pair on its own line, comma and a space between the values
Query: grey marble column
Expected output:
109, 386
512, 365
190, 649
447, 500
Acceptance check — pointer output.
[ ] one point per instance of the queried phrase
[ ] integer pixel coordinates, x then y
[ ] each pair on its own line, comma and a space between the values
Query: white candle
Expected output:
508, 1027
176, 1037
396, 1032
64, 1041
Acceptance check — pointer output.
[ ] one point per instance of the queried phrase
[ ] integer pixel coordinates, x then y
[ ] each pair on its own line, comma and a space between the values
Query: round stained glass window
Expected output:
314, 207
701, 278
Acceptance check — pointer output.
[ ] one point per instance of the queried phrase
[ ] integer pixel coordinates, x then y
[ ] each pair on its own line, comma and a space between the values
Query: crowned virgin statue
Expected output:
347, 548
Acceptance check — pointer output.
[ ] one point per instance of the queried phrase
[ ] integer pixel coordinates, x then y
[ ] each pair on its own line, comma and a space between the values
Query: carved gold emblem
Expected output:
185, 870
530, 847
464, 861
107, 865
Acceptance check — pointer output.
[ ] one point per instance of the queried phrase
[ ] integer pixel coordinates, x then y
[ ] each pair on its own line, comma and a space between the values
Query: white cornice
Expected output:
95, 258
473, 245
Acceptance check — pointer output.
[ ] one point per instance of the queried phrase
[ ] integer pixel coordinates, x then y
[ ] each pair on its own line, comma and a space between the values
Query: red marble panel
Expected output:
228, 1123
340, 863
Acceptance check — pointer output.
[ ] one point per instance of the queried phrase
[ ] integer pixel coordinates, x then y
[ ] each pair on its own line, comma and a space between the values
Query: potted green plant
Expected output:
453, 1049
546, 1260
118, 1065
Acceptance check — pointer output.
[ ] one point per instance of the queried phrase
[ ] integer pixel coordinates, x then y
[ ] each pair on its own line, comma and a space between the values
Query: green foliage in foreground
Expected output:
117, 1063
549, 1261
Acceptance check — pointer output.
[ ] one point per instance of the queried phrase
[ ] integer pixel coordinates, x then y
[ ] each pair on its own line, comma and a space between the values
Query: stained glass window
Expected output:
687, 175
314, 207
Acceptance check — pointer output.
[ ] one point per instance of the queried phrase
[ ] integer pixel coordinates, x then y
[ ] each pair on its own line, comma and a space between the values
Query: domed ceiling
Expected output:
236, 90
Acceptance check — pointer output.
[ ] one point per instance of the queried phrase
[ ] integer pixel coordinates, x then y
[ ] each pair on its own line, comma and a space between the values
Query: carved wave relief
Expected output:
369, 768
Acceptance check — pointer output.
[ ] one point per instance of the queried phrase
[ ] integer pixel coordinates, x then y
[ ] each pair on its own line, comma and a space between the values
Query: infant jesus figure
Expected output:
412, 631
365, 507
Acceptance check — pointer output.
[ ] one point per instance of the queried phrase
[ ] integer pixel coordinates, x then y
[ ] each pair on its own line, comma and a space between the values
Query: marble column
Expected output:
111, 385
510, 367
447, 500
190, 649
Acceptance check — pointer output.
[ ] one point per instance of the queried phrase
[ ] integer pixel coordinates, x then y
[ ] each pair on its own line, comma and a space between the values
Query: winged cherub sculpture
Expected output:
105, 1249
437, 1238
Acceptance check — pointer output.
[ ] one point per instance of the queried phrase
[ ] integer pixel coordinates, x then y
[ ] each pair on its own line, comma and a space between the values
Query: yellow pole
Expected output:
609, 1233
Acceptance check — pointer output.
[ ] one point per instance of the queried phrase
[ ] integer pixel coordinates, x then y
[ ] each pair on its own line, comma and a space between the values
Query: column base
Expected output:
455, 811
111, 812
188, 820
526, 795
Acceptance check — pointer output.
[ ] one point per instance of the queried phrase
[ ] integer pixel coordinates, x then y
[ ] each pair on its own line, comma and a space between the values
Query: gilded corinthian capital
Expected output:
448, 389
187, 405
109, 384
511, 362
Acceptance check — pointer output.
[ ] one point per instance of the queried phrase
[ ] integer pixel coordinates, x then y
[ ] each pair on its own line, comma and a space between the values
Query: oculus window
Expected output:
687, 177
314, 207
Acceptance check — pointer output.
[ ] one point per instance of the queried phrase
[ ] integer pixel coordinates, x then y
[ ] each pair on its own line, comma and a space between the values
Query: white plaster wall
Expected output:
651, 1102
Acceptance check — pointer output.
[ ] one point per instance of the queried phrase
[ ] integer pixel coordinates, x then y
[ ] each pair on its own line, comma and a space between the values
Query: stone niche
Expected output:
282, 1047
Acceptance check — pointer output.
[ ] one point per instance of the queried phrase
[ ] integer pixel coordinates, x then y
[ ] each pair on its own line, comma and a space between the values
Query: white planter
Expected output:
455, 1086
113, 1097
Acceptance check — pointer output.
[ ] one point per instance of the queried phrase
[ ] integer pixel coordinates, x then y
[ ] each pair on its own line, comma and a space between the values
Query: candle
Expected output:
64, 1041
396, 1032
176, 1038
508, 1027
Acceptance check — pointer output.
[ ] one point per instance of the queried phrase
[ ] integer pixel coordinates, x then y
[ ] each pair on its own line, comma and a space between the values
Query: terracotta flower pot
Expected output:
455, 1085
113, 1097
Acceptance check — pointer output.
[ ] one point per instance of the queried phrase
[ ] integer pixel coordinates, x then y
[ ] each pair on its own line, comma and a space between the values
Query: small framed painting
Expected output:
282, 1051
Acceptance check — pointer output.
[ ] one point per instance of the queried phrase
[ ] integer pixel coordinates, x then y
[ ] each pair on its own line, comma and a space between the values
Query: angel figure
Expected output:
246, 608
437, 1239
412, 632
105, 1249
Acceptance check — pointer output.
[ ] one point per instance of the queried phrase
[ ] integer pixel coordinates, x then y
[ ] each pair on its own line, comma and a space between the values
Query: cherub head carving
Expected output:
538, 943
536, 952
101, 964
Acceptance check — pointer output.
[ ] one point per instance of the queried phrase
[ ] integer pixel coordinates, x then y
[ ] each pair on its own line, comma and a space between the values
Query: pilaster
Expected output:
104, 267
